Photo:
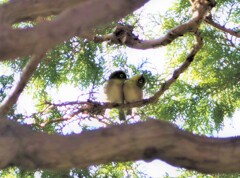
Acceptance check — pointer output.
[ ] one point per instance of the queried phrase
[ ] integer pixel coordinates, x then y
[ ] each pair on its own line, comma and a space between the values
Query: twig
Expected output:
209, 20
27, 72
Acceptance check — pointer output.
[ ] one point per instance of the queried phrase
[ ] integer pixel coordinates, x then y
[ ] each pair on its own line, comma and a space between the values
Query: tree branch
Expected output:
27, 72
160, 140
72, 22
123, 34
26, 10
210, 21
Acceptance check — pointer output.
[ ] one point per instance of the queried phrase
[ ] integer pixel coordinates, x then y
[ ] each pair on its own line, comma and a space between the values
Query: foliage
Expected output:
5, 84
186, 173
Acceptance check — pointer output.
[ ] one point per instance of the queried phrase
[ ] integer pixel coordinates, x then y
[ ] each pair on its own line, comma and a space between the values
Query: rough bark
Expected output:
149, 140
71, 22
28, 10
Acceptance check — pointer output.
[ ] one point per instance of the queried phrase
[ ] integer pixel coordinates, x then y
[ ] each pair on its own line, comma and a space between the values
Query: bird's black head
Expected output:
119, 74
141, 81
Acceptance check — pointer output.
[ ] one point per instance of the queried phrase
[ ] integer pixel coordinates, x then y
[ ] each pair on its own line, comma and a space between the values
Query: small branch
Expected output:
180, 70
67, 103
210, 21
57, 120
27, 72
123, 35
31, 150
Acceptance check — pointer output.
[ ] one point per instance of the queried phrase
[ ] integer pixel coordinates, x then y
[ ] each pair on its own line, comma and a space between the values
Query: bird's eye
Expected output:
121, 75
140, 81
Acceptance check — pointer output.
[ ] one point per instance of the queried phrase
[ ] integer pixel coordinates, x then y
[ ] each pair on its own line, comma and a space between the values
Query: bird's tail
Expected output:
129, 112
122, 115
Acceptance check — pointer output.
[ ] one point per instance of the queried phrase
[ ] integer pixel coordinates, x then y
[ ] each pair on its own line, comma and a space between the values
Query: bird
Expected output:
114, 90
133, 90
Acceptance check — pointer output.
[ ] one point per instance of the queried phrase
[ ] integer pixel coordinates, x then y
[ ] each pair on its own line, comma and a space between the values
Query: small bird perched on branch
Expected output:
133, 90
114, 90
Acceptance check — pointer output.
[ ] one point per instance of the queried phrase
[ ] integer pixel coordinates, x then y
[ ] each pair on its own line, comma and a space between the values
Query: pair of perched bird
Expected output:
121, 90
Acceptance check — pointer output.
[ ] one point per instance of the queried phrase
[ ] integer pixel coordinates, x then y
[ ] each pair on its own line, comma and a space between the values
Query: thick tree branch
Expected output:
160, 140
71, 22
27, 10
12, 98
210, 21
